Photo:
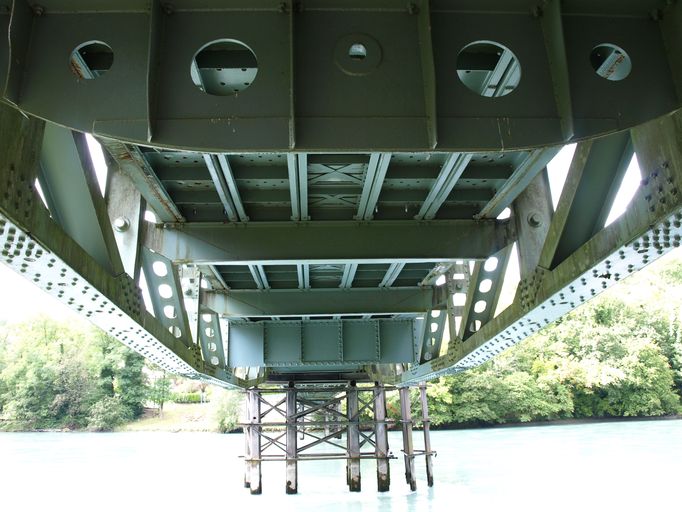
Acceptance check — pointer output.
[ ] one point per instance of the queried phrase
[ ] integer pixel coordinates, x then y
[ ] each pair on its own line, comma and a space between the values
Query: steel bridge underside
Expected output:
337, 218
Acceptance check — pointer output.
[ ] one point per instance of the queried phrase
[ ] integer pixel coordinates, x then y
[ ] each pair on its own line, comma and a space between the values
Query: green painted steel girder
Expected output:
306, 90
271, 243
650, 228
319, 302
320, 344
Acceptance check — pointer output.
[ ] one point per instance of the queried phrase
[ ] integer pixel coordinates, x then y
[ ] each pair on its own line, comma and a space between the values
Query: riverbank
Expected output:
549, 423
175, 418
202, 418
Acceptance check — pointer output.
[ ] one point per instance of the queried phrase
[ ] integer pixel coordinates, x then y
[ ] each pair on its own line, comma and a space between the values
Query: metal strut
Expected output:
274, 431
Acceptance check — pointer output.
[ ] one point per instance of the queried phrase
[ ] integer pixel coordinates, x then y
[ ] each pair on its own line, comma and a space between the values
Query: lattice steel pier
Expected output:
322, 415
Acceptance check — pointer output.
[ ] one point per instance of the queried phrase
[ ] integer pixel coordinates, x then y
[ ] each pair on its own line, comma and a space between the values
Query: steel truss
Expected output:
275, 417
378, 258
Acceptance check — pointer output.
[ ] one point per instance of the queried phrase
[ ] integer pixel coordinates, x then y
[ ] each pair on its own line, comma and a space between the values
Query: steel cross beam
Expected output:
319, 302
337, 241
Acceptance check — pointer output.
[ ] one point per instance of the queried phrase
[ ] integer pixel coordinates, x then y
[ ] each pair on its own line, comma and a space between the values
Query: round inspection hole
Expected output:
160, 268
490, 264
488, 68
215, 361
212, 347
210, 332
357, 54
91, 59
206, 317
175, 331
610, 62
480, 306
169, 312
357, 51
165, 291
224, 67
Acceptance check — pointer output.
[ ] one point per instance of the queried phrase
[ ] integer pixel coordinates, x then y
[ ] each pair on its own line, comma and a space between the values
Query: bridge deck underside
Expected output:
310, 224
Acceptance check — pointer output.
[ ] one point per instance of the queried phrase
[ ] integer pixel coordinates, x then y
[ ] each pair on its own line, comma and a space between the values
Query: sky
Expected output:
27, 300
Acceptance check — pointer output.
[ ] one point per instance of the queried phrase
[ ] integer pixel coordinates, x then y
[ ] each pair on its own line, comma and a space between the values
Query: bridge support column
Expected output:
408, 448
426, 422
247, 440
353, 464
255, 442
381, 439
291, 446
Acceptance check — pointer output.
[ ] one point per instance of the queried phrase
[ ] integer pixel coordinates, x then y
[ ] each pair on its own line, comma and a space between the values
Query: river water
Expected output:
601, 466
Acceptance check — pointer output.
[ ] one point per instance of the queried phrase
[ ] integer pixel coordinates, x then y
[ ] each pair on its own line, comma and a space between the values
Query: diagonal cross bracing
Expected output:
392, 274
259, 276
374, 180
452, 170
223, 180
297, 169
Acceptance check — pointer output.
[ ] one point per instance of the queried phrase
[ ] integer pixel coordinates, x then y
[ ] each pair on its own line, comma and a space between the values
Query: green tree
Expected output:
52, 373
228, 410
160, 392
108, 413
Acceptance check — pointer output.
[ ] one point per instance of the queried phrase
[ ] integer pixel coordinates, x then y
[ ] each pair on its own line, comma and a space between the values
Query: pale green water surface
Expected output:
605, 466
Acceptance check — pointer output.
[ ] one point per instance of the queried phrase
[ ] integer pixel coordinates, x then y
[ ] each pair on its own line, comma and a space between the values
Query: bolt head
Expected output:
121, 224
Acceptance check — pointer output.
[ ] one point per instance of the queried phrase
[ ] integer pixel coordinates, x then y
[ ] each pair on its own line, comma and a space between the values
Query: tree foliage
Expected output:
228, 410
607, 359
53, 374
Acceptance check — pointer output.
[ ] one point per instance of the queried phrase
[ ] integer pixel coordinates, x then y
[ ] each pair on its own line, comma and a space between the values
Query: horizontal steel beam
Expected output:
309, 94
398, 196
398, 172
290, 243
318, 302
321, 343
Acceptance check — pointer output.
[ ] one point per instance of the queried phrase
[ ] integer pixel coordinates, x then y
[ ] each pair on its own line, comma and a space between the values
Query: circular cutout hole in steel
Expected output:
357, 51
160, 268
165, 291
488, 68
224, 67
91, 60
610, 62
357, 54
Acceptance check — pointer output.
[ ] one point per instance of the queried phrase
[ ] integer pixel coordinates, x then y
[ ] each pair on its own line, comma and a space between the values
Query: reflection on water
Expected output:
578, 467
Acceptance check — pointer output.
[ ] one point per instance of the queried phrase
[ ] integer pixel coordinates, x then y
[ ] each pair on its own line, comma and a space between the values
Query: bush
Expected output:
108, 413
229, 405
187, 398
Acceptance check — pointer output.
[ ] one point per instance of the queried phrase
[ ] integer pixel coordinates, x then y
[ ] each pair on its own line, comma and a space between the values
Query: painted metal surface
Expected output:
309, 90
331, 199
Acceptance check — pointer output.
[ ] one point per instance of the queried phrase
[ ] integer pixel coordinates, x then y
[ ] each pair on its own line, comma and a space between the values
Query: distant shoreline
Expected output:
548, 423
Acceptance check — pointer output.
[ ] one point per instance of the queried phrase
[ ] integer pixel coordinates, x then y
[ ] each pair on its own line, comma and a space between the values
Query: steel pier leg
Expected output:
381, 436
327, 421
292, 452
255, 417
353, 439
427, 433
247, 441
408, 449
